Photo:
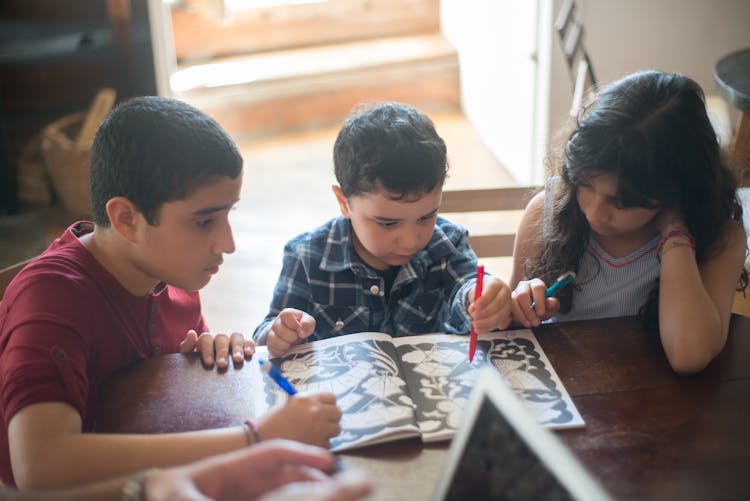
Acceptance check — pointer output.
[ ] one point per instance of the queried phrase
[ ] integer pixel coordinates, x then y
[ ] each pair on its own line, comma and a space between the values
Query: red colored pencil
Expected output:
477, 294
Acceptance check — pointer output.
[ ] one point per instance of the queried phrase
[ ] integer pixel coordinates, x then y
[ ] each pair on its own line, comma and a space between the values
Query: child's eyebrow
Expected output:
210, 210
613, 199
396, 220
385, 219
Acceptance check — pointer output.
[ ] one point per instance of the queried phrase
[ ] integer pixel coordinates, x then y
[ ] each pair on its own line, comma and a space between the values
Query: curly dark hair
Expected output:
651, 131
389, 145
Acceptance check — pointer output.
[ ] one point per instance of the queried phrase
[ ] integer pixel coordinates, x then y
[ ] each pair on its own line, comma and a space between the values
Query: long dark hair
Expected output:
651, 131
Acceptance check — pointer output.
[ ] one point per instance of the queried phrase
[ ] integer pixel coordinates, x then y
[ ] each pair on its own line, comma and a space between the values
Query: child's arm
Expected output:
48, 450
695, 301
528, 242
292, 291
527, 248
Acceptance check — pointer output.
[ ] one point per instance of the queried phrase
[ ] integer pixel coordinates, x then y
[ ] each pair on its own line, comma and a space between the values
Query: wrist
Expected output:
674, 239
134, 488
252, 434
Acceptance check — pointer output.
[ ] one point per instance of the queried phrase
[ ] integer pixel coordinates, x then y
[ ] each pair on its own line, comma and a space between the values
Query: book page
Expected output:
361, 370
440, 378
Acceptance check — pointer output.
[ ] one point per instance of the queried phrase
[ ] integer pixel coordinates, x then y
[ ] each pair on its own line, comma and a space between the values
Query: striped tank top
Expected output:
612, 287
606, 286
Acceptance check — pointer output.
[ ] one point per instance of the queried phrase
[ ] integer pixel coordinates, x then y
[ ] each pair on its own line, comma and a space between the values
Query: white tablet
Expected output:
501, 452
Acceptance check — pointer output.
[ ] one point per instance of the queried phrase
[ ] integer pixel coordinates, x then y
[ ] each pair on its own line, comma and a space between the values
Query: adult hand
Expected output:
344, 486
256, 471
217, 347
290, 327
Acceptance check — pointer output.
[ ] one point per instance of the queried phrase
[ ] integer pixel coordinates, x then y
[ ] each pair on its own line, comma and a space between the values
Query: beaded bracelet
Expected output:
252, 436
672, 244
666, 243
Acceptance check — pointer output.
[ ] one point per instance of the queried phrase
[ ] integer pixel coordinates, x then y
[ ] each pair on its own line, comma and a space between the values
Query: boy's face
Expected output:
187, 244
389, 232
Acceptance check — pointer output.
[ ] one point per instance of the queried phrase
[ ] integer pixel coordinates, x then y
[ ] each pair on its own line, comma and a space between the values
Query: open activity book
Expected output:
416, 386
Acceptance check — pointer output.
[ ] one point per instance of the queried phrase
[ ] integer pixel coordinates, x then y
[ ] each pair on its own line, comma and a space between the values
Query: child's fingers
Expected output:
238, 346
280, 337
306, 326
276, 347
522, 311
504, 316
221, 350
490, 289
188, 344
552, 306
284, 331
495, 298
249, 348
518, 315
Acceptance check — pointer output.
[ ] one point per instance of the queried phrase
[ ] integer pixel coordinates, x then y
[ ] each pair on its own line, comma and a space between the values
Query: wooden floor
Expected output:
286, 191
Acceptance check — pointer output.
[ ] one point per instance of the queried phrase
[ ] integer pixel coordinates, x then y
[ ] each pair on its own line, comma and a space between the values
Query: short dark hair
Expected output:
390, 145
153, 150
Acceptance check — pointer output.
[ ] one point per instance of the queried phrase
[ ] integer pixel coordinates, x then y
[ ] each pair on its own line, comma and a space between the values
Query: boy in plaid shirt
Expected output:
388, 263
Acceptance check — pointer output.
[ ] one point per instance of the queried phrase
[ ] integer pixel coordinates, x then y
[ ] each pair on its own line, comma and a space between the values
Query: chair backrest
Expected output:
498, 241
7, 274
569, 28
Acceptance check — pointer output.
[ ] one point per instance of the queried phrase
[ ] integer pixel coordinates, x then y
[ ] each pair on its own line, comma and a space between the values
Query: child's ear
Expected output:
341, 199
123, 217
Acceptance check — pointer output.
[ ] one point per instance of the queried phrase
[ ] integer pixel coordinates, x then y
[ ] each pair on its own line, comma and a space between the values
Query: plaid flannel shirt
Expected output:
323, 276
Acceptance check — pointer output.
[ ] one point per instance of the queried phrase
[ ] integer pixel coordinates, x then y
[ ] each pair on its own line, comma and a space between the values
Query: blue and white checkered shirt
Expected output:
323, 276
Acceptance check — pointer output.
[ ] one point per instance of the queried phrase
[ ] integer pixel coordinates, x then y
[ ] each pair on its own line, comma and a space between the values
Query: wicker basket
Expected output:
68, 164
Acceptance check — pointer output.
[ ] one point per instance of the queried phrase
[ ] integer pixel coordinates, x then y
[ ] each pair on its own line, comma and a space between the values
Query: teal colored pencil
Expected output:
561, 282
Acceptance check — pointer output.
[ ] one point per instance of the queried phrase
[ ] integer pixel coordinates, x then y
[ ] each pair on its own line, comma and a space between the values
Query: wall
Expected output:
685, 36
496, 43
505, 96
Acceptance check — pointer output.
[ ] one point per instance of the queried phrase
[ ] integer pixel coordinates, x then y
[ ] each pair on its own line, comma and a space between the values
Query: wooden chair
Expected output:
569, 28
7, 274
491, 215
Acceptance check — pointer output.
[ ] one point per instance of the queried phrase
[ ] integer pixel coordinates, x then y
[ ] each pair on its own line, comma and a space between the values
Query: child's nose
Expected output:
598, 211
409, 239
225, 241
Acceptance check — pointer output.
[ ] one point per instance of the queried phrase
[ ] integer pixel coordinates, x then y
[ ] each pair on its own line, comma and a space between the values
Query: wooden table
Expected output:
732, 76
649, 434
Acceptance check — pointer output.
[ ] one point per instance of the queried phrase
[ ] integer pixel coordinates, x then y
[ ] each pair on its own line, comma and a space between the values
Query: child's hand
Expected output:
493, 308
312, 419
218, 347
288, 328
528, 291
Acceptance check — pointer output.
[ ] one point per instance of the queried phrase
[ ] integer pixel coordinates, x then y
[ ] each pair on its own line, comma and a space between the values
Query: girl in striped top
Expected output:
642, 209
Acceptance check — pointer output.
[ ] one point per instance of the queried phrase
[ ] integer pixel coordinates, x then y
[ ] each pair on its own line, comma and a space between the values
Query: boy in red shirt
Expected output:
106, 294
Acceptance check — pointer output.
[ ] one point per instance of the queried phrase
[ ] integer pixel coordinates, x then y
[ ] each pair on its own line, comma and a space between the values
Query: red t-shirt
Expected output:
66, 324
